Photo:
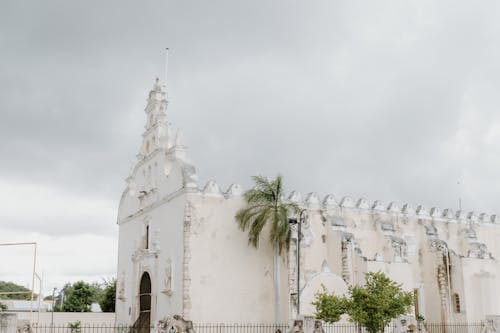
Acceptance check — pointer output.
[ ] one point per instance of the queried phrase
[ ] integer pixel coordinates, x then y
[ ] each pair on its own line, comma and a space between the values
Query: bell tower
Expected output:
156, 131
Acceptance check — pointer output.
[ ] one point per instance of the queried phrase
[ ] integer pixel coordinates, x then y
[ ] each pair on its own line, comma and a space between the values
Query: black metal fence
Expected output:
245, 328
454, 328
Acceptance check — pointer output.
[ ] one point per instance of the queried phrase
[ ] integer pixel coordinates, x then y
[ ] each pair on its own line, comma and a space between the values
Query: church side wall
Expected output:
230, 281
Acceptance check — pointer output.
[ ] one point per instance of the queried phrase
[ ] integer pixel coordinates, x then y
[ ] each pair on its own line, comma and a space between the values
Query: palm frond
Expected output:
265, 206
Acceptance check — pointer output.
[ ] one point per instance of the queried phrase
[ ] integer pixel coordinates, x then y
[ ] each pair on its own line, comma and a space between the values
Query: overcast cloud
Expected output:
390, 100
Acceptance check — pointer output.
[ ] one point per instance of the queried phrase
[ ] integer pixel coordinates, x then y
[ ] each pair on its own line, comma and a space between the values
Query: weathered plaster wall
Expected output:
230, 281
201, 266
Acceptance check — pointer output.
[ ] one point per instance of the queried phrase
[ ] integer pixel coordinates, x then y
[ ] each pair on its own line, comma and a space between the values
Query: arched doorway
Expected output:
143, 323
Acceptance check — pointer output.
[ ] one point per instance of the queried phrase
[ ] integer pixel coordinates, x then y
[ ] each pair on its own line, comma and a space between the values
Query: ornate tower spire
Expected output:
156, 134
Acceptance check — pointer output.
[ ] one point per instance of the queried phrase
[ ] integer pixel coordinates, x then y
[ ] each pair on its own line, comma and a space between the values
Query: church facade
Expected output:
181, 251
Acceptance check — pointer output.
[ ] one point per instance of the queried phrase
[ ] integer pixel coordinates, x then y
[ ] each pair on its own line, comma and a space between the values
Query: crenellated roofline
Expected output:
329, 202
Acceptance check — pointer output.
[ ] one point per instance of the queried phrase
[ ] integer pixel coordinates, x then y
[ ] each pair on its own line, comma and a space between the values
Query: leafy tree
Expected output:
107, 299
12, 287
97, 291
379, 301
265, 207
373, 305
79, 297
329, 307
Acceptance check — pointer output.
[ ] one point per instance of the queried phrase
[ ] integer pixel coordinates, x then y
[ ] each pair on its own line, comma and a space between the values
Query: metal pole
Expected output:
298, 263
39, 297
53, 305
33, 284
299, 237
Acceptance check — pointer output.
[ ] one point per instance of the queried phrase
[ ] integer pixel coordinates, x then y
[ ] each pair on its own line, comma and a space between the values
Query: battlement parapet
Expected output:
330, 202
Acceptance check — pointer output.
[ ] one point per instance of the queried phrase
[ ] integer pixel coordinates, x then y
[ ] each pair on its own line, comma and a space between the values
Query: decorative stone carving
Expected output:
471, 217
378, 205
346, 255
393, 207
442, 277
422, 211
169, 290
295, 197
448, 214
312, 199
329, 201
212, 189
175, 324
362, 203
186, 285
234, 190
297, 327
435, 212
460, 215
324, 267
438, 245
408, 210
121, 288
346, 202
479, 250
399, 247
318, 327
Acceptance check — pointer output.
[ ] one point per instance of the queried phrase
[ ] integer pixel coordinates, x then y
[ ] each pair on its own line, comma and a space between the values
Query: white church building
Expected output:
181, 251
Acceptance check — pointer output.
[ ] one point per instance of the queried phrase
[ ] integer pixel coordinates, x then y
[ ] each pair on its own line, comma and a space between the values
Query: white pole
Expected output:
39, 298
33, 284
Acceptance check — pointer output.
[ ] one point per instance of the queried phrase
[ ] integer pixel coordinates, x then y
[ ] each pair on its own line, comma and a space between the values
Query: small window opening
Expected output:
146, 240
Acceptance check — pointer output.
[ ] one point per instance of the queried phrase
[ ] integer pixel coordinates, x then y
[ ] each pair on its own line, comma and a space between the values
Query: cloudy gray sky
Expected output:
391, 100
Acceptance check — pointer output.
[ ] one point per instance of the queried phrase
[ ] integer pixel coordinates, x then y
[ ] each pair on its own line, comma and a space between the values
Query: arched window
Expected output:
147, 147
456, 303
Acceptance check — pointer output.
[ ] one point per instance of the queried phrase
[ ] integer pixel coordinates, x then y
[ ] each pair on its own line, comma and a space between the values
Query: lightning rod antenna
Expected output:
166, 67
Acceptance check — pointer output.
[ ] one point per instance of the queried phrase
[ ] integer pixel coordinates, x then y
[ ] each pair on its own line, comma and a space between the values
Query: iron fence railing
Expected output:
247, 328
455, 328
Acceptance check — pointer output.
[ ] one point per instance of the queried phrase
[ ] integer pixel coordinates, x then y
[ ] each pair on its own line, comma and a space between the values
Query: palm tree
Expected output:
265, 206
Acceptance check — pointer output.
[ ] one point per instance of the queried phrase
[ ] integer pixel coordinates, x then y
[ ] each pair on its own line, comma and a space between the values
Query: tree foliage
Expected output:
107, 298
79, 297
12, 287
373, 305
265, 205
329, 307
